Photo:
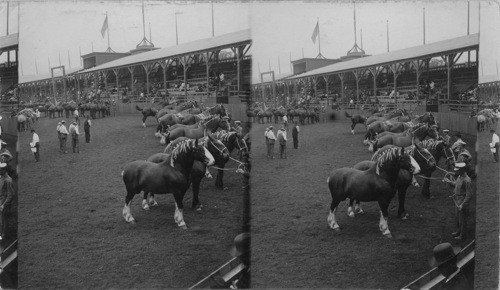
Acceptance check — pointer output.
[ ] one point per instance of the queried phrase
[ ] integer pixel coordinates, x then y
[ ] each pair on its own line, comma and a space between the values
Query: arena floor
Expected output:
292, 245
72, 231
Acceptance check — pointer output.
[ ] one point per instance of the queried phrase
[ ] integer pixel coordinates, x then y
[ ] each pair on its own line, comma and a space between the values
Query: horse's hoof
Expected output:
360, 211
208, 175
404, 216
145, 207
389, 235
184, 227
350, 214
154, 203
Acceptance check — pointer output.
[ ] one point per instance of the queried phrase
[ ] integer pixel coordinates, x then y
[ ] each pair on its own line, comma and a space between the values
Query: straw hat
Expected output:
459, 165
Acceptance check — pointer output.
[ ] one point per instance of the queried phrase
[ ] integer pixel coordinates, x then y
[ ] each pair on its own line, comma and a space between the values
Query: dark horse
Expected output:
169, 176
418, 133
146, 112
232, 141
438, 149
374, 184
211, 124
199, 171
421, 155
355, 119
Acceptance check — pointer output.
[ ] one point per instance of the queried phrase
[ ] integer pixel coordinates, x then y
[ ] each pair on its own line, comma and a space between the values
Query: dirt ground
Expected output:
487, 231
292, 245
71, 230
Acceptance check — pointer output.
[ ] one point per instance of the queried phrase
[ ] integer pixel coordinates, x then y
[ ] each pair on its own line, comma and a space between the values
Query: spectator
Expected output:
281, 136
73, 130
495, 144
272, 140
64, 136
295, 135
6, 195
445, 259
35, 145
267, 141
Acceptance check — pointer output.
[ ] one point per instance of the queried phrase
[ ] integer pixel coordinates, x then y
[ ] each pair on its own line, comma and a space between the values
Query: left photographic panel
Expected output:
9, 114
140, 177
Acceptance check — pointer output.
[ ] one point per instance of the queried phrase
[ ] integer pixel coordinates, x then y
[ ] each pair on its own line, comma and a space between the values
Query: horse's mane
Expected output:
224, 135
386, 157
432, 143
181, 148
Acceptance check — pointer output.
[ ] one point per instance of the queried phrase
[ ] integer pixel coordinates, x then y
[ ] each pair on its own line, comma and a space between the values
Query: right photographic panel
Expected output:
368, 170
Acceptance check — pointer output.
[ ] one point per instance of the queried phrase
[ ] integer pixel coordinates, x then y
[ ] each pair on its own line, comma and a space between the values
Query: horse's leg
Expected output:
332, 221
144, 121
350, 212
384, 217
414, 181
402, 214
218, 180
357, 208
425, 188
179, 208
127, 214
352, 127
152, 201
145, 204
196, 181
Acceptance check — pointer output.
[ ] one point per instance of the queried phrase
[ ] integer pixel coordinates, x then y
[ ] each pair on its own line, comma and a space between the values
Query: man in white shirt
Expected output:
35, 145
285, 122
281, 135
77, 116
64, 136
272, 139
495, 144
73, 130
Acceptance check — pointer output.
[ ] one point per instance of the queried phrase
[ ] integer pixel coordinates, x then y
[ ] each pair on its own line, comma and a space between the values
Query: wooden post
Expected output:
186, 63
375, 71
341, 76
326, 86
117, 72
131, 70
395, 68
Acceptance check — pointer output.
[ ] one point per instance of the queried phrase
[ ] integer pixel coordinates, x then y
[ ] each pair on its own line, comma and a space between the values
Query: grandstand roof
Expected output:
413, 53
489, 79
9, 42
217, 42
46, 76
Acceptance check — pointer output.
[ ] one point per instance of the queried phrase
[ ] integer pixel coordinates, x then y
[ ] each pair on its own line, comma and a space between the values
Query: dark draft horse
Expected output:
232, 141
421, 155
211, 124
355, 119
199, 170
438, 149
169, 176
418, 133
375, 184
146, 112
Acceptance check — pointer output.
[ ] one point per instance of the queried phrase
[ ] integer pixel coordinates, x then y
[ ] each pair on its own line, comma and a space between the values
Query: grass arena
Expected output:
72, 230
292, 244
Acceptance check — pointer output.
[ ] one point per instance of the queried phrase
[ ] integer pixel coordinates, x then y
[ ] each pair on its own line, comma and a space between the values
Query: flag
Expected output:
104, 26
315, 33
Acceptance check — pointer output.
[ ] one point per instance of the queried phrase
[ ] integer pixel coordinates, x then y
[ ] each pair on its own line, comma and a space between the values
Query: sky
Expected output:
283, 28
49, 29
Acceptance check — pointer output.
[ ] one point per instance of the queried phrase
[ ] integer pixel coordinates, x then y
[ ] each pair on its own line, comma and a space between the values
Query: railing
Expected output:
225, 275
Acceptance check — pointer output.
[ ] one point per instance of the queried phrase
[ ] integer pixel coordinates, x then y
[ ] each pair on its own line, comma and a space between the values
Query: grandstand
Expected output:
429, 74
191, 70
9, 47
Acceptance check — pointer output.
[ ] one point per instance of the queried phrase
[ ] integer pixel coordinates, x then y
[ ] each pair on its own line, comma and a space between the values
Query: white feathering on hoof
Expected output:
144, 125
123, 172
328, 180
352, 132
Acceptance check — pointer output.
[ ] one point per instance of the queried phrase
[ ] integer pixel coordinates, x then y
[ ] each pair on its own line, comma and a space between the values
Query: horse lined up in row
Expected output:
266, 116
485, 119
26, 118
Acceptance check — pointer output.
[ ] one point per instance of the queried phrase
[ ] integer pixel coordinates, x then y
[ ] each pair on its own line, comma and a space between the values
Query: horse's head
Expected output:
201, 153
407, 162
424, 157
217, 148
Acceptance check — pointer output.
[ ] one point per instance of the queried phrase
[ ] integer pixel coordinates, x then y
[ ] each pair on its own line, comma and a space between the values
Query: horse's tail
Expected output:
347, 115
138, 108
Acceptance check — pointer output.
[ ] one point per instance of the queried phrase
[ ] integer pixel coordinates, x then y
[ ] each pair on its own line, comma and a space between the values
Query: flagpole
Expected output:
387, 35
7, 17
107, 23
423, 12
213, 33
291, 68
81, 60
59, 59
319, 42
